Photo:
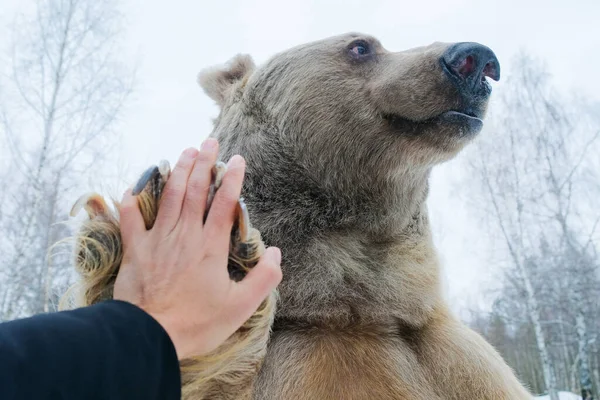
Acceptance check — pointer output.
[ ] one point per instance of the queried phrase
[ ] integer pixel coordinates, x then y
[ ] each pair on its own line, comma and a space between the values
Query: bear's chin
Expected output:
467, 123
448, 123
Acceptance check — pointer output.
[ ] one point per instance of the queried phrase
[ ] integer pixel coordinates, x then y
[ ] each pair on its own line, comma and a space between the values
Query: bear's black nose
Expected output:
468, 64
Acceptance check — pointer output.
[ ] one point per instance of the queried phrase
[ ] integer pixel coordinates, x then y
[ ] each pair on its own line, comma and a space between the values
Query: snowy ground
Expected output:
561, 396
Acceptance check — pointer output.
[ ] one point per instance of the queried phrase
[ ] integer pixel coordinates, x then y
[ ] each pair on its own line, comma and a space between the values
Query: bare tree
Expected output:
62, 98
533, 169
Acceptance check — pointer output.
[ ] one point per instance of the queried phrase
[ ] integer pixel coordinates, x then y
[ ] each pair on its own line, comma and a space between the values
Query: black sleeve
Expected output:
112, 350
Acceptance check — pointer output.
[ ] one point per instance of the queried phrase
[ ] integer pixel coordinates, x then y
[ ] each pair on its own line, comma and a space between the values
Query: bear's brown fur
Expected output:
339, 147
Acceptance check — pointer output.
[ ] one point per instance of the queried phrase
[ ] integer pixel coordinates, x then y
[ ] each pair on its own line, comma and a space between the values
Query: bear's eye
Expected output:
360, 49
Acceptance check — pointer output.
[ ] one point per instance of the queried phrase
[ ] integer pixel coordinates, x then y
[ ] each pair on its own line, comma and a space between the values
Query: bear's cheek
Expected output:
415, 93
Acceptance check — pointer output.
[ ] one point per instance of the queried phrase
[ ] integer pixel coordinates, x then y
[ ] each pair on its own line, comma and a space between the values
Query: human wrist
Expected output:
176, 338
177, 343
179, 338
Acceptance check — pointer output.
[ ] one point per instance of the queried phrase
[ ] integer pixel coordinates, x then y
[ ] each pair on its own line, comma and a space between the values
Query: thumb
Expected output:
259, 282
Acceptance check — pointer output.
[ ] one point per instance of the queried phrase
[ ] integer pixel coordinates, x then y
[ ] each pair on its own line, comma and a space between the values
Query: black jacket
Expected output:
112, 350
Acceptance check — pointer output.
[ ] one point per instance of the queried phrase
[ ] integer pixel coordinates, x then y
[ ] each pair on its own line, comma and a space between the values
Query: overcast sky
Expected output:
174, 40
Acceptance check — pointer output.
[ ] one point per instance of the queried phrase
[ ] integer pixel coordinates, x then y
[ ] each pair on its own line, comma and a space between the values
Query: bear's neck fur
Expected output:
350, 255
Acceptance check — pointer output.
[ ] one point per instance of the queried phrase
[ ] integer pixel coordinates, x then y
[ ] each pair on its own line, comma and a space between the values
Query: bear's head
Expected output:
339, 136
347, 104
355, 118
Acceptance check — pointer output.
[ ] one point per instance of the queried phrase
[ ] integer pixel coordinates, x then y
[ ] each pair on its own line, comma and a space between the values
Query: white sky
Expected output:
174, 40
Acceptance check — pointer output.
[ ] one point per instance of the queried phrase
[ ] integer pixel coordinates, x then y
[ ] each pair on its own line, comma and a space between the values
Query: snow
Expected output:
561, 396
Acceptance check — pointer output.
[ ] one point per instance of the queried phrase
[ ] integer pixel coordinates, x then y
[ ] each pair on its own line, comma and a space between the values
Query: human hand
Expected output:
177, 271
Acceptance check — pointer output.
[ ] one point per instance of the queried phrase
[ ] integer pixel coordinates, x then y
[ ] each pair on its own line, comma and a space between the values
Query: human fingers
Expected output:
219, 221
131, 220
174, 192
196, 195
251, 291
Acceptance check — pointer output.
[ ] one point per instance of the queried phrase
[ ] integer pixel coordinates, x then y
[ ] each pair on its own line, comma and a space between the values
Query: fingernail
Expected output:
276, 255
236, 161
210, 144
190, 153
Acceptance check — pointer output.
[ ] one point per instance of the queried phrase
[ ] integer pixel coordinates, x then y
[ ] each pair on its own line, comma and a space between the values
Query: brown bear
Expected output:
340, 136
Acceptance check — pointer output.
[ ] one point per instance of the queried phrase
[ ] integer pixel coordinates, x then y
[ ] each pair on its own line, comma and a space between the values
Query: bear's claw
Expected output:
157, 176
93, 204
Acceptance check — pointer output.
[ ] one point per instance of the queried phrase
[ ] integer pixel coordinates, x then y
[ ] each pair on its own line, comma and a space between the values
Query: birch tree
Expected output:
64, 93
533, 168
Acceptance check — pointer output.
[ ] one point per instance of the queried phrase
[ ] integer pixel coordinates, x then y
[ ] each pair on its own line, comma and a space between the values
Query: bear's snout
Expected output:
467, 65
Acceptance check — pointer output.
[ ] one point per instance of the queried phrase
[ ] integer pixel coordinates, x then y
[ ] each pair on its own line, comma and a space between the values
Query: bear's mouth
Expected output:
467, 121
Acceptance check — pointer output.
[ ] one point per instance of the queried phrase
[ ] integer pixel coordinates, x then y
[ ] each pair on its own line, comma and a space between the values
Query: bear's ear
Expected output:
217, 82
